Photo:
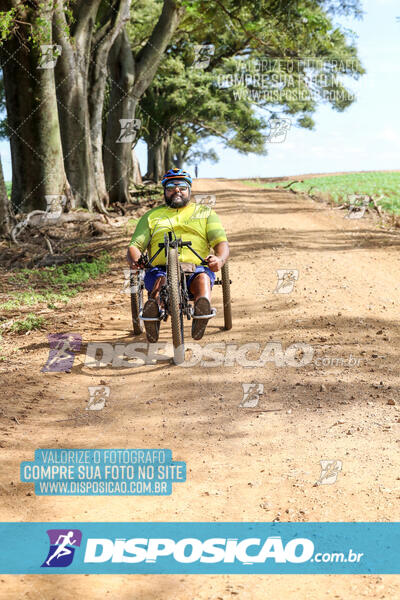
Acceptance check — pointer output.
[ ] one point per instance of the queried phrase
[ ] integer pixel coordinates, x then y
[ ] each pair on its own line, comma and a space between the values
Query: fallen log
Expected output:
41, 218
71, 217
99, 228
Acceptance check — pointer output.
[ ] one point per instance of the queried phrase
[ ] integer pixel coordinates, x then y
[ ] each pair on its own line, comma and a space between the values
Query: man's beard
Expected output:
177, 201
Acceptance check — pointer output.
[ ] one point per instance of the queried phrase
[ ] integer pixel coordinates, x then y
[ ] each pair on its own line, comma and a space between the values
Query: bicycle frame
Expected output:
176, 243
185, 305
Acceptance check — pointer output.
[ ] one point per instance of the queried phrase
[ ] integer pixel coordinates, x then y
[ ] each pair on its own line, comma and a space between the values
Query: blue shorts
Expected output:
155, 272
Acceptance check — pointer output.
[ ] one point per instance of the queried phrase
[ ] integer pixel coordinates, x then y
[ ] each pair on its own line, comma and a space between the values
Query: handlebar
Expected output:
177, 243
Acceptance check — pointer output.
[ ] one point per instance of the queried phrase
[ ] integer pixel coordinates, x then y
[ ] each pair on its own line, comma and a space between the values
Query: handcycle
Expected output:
174, 294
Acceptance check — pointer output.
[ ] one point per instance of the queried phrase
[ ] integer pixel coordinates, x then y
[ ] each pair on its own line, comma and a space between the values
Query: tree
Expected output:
85, 34
308, 71
67, 100
182, 107
224, 98
131, 75
32, 121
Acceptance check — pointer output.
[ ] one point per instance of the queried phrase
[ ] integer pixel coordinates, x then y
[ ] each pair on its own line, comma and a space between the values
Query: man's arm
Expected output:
217, 239
133, 256
139, 242
217, 261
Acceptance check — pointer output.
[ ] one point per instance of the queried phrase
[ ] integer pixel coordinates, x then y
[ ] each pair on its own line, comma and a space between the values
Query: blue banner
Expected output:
200, 548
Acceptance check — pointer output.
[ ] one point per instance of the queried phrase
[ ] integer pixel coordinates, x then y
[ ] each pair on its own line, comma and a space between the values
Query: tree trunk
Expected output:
159, 161
168, 160
155, 159
5, 221
133, 78
136, 174
178, 160
36, 152
71, 74
150, 161
112, 19
118, 154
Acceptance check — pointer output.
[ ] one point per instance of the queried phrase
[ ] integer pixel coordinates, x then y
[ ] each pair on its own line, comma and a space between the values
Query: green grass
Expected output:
52, 285
74, 273
30, 323
340, 186
8, 187
31, 298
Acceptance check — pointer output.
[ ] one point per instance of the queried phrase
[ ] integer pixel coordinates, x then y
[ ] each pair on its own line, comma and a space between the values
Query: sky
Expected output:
364, 137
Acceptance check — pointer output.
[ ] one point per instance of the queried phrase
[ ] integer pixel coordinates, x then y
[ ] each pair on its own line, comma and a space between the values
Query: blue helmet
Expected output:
176, 174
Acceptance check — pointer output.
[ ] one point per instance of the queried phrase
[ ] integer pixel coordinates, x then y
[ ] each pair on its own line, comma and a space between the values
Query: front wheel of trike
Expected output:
174, 305
136, 291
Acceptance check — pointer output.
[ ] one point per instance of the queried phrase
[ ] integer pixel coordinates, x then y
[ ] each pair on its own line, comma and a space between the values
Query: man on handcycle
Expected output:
190, 222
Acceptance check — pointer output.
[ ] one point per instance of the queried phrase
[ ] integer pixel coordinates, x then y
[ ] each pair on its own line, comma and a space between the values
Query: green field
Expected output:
340, 186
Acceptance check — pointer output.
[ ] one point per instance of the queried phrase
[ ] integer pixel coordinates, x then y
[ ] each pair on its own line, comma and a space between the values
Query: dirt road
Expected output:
244, 464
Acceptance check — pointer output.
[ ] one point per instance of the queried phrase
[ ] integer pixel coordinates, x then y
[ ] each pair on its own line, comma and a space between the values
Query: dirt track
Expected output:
244, 464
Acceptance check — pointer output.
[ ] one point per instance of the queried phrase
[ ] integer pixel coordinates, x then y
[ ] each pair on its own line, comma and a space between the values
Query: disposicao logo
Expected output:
190, 550
63, 543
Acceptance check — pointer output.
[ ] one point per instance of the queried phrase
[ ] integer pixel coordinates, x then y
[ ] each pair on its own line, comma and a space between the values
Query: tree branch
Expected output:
150, 55
84, 11
113, 23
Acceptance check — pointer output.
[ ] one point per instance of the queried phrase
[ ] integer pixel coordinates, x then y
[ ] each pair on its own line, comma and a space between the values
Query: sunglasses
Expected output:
172, 186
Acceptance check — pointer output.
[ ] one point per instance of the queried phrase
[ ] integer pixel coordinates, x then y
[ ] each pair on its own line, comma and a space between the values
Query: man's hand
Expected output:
215, 263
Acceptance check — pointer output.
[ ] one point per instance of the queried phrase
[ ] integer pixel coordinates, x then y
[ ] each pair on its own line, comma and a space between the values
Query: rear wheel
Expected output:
174, 305
136, 303
226, 296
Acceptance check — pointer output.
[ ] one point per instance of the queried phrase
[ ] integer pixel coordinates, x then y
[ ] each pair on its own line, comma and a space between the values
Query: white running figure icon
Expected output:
62, 550
62, 348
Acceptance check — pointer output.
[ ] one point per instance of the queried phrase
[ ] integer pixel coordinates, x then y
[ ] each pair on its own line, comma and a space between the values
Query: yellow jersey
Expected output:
197, 223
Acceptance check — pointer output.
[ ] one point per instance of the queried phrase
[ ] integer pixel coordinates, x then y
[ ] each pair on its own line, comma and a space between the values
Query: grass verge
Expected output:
53, 285
30, 323
339, 187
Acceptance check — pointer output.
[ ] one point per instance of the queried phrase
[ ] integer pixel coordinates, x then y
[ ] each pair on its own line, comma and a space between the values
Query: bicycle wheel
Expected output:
173, 272
226, 296
136, 303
